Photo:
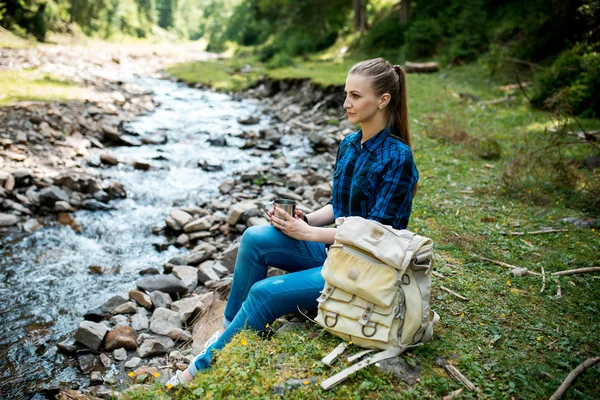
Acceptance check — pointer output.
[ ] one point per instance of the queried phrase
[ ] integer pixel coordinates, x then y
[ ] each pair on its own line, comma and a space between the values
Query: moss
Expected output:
33, 85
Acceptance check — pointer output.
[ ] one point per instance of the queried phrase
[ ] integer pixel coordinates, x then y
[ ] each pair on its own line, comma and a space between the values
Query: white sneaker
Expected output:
176, 380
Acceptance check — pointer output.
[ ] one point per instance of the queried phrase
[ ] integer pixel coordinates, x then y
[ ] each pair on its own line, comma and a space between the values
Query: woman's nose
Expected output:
347, 104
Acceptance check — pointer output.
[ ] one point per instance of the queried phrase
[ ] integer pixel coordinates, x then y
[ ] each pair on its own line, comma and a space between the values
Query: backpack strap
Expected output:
342, 375
330, 358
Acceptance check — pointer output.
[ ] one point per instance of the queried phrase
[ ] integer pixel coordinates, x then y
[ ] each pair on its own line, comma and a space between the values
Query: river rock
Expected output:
141, 165
181, 217
95, 205
164, 283
189, 276
31, 225
183, 240
180, 335
400, 369
113, 303
249, 120
108, 159
237, 211
96, 378
174, 225
51, 195
105, 360
155, 345
227, 185
229, 256
206, 272
67, 347
164, 320
193, 258
323, 190
160, 299
125, 308
139, 321
8, 219
63, 206
141, 298
188, 308
88, 362
116, 190
122, 336
119, 320
257, 221
91, 334
120, 354
78, 182
134, 362
200, 224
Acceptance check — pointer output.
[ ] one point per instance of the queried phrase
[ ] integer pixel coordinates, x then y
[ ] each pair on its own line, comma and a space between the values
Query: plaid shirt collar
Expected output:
372, 143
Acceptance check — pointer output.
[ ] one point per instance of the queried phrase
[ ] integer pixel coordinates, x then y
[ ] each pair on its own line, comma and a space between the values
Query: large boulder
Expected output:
164, 320
91, 334
164, 283
50, 195
120, 337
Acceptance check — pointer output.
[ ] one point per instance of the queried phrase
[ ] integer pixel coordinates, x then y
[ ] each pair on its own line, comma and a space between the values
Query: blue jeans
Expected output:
256, 300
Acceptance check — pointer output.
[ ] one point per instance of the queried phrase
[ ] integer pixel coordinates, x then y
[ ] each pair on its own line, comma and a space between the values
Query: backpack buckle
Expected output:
374, 326
330, 316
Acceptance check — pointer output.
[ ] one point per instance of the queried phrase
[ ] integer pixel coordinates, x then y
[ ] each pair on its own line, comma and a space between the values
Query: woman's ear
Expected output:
384, 100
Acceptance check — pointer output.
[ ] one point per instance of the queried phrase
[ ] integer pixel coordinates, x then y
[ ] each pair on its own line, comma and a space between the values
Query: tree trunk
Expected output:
404, 11
360, 15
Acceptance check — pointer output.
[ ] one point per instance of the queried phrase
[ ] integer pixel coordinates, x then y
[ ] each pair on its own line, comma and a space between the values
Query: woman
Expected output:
375, 178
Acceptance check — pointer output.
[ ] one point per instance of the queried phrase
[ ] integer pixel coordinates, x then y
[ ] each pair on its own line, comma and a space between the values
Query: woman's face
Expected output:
362, 103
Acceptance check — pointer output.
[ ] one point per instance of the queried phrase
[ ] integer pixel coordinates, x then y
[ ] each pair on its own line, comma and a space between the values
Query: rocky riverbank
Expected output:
156, 328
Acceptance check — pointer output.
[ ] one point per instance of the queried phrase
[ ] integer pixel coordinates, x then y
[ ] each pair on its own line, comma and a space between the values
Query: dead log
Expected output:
429, 67
590, 362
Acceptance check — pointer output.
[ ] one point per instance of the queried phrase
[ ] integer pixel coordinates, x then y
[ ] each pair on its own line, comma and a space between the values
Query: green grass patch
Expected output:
509, 339
34, 85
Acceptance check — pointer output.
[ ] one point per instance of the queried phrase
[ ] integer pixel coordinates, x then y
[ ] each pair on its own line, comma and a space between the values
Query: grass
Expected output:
509, 339
34, 85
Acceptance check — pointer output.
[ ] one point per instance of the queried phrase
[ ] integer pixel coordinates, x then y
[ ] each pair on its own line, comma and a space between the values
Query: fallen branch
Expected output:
445, 289
543, 281
590, 362
503, 264
559, 289
537, 232
437, 274
453, 372
576, 271
453, 395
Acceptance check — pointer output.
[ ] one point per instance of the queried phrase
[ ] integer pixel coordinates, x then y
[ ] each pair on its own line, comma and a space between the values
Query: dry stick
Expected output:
543, 281
573, 375
437, 274
503, 264
453, 372
576, 271
558, 290
537, 232
445, 289
453, 395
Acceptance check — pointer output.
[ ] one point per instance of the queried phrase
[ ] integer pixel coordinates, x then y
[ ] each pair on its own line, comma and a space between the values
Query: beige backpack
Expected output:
376, 294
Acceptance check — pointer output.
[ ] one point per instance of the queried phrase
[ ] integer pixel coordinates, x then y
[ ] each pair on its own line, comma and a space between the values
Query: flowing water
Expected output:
45, 287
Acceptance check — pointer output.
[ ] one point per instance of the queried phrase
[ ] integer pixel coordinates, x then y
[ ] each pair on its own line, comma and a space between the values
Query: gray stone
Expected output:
91, 334
113, 303
125, 308
183, 240
206, 273
133, 363
181, 217
31, 225
95, 205
164, 320
189, 276
116, 190
119, 320
8, 219
180, 335
164, 283
188, 308
291, 327
63, 206
193, 258
229, 256
227, 185
220, 269
160, 299
120, 354
96, 378
105, 360
257, 221
51, 195
292, 384
249, 120
238, 210
154, 346
140, 322
400, 369
200, 224
88, 362
171, 223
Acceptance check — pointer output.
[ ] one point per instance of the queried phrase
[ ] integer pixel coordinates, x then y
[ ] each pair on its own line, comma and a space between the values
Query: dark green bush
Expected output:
571, 85
385, 33
423, 38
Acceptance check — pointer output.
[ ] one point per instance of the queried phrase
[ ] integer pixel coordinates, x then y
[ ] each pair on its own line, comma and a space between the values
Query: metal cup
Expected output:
289, 206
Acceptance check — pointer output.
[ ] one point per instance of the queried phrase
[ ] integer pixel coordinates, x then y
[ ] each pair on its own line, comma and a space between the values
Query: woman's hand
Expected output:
293, 227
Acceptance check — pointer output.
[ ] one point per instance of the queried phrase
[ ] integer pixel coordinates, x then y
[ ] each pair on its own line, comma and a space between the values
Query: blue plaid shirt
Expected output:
376, 181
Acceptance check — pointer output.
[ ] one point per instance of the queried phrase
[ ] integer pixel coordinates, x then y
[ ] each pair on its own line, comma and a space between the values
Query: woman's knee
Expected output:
256, 236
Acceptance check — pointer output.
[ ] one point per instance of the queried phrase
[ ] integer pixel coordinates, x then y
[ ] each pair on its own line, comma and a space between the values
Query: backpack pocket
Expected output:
361, 274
